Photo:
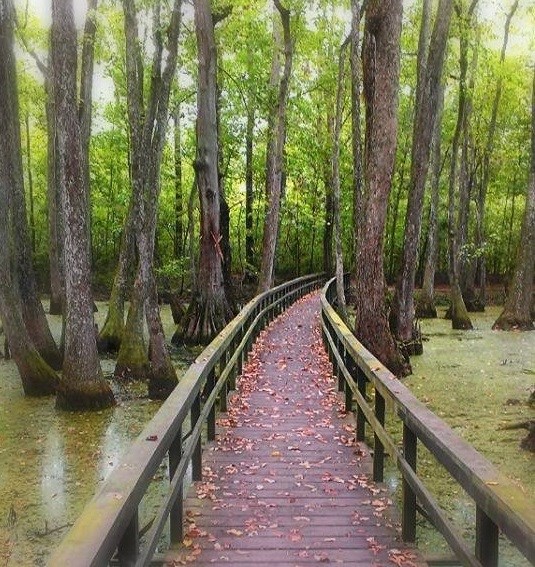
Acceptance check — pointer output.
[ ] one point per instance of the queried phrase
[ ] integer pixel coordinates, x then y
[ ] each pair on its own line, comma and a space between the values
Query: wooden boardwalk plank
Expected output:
285, 484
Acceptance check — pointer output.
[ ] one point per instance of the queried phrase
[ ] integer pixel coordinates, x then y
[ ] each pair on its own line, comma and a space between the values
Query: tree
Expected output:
427, 98
425, 305
82, 385
381, 55
517, 310
38, 378
209, 310
356, 136
147, 124
458, 181
335, 160
278, 92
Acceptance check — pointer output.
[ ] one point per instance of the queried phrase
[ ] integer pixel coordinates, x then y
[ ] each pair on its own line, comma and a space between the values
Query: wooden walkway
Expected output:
284, 483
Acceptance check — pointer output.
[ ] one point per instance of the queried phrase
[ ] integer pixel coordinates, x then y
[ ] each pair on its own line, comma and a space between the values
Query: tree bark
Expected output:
147, 133
38, 378
209, 310
517, 313
178, 242
356, 135
275, 152
458, 312
427, 97
381, 58
425, 304
335, 158
82, 385
249, 188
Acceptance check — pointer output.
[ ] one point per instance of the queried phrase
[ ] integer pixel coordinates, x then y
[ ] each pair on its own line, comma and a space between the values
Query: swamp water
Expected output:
477, 381
51, 462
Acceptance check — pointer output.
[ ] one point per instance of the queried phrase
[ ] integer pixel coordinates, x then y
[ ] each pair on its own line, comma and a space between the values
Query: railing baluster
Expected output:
378, 448
339, 373
128, 548
176, 515
487, 542
223, 399
210, 383
361, 420
196, 459
348, 361
408, 522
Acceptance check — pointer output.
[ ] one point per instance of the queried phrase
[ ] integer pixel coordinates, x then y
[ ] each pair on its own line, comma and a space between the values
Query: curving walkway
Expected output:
284, 483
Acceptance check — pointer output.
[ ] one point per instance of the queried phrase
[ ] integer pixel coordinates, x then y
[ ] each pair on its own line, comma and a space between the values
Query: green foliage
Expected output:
245, 45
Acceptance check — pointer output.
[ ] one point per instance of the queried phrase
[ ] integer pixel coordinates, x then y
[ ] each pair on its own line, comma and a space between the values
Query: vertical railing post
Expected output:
196, 459
408, 520
378, 448
350, 365
361, 419
210, 384
128, 548
487, 542
223, 396
176, 515
339, 373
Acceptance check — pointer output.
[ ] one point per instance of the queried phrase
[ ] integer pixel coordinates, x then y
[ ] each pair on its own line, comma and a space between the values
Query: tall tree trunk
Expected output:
425, 306
178, 242
209, 310
517, 313
427, 97
31, 194
328, 231
249, 188
458, 312
339, 261
275, 151
111, 334
55, 214
37, 376
82, 385
147, 133
356, 135
381, 56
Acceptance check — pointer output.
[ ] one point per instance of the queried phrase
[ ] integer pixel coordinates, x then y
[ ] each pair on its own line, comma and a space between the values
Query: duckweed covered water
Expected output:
478, 381
51, 462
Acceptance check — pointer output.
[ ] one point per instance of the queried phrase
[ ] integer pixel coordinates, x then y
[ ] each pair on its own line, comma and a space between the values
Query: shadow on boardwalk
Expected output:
284, 483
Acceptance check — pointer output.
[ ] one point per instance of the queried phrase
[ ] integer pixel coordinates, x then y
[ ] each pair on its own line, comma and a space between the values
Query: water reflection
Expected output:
52, 462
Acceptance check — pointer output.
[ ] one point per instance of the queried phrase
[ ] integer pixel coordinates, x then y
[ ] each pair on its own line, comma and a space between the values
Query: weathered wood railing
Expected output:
109, 525
500, 506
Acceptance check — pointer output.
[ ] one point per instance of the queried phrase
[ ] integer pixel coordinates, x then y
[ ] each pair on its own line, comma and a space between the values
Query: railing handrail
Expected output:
109, 522
500, 505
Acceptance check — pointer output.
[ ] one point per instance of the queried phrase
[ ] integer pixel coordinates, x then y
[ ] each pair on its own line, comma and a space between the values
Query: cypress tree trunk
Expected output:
356, 136
147, 125
425, 304
209, 310
458, 312
82, 385
111, 334
381, 56
427, 97
37, 376
275, 152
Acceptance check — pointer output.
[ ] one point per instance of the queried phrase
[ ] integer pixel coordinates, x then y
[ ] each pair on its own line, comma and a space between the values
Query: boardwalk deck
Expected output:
285, 484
